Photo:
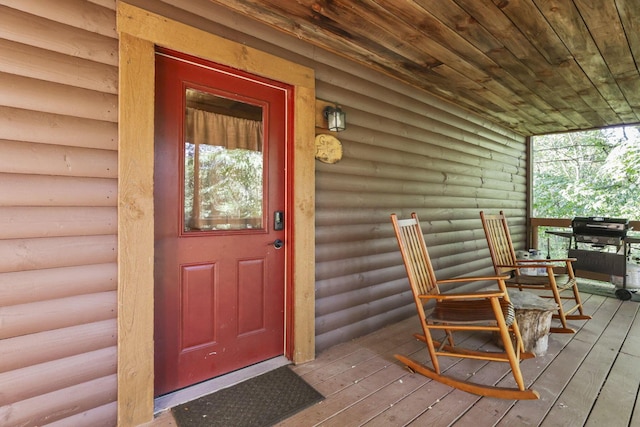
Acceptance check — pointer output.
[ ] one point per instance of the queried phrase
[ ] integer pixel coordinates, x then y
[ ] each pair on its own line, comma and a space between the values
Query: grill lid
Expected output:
597, 229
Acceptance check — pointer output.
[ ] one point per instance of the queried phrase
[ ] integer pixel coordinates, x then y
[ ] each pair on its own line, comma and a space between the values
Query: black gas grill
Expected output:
600, 231
596, 234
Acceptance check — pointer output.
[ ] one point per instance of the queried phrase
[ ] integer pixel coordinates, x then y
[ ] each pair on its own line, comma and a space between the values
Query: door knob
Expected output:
278, 243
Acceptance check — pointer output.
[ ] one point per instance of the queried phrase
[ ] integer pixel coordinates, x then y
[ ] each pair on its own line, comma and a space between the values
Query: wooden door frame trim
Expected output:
140, 32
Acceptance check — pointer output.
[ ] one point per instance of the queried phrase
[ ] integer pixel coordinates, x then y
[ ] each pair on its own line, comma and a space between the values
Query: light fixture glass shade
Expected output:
336, 119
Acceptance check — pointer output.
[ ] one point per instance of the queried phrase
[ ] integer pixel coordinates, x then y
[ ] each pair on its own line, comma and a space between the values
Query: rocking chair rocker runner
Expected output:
504, 260
488, 310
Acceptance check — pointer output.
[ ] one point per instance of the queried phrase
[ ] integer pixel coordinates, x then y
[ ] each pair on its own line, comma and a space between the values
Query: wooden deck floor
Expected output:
589, 378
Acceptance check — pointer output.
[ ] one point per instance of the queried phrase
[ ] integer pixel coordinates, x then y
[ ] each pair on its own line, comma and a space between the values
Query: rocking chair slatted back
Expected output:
414, 251
501, 249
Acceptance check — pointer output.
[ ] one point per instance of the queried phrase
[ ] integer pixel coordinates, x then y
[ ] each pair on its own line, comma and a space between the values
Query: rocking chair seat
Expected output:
470, 312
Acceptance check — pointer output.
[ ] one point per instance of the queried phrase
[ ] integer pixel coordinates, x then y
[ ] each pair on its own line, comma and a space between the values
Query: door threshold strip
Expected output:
193, 392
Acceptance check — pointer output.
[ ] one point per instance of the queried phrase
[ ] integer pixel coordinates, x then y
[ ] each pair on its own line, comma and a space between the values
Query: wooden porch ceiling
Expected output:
534, 66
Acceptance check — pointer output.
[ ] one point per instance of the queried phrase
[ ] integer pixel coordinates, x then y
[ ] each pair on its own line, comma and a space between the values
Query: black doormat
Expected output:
261, 401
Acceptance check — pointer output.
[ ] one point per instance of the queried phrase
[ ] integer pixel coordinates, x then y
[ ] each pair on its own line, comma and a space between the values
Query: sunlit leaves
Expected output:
595, 173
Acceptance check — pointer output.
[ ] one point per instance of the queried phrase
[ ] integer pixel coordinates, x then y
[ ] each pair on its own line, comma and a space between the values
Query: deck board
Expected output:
575, 370
490, 411
615, 404
583, 390
588, 378
559, 372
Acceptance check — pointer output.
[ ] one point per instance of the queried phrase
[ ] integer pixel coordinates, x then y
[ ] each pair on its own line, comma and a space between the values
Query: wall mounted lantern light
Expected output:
336, 119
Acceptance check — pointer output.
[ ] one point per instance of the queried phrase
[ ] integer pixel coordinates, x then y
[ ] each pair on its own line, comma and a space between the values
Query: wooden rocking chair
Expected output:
477, 311
504, 260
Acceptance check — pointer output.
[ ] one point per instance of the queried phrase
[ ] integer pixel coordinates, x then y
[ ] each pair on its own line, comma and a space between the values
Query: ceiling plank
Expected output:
566, 20
606, 28
534, 67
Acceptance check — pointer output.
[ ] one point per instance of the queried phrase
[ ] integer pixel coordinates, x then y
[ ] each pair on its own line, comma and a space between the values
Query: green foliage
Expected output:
230, 182
594, 173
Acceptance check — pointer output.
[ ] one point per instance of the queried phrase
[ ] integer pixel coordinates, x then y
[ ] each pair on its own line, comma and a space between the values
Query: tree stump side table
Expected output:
533, 314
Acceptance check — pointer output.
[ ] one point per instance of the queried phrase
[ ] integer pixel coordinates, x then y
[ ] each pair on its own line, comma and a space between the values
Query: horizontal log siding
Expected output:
26, 350
58, 197
404, 151
57, 374
400, 157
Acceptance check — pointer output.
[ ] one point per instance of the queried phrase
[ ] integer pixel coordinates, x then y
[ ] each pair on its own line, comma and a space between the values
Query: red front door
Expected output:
220, 220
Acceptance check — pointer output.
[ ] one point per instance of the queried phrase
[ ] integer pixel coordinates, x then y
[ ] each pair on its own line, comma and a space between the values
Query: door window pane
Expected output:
223, 164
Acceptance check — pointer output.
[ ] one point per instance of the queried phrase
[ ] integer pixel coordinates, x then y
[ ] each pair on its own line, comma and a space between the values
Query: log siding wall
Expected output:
58, 215
404, 151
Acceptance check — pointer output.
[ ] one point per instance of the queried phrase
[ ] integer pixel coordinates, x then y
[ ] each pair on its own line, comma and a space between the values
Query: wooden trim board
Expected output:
140, 32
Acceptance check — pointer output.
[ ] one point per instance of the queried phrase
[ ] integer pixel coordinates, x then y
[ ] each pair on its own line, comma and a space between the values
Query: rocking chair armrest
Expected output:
483, 294
471, 279
538, 265
544, 261
523, 266
562, 260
